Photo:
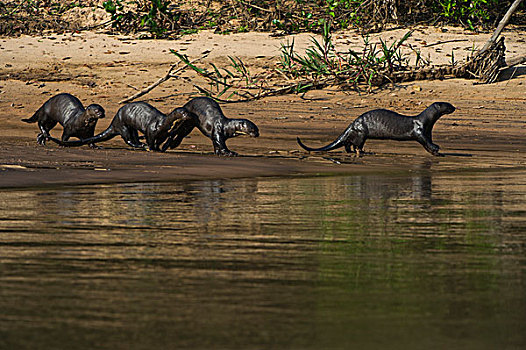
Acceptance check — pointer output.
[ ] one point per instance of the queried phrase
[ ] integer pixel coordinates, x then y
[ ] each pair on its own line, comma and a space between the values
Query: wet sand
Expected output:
485, 133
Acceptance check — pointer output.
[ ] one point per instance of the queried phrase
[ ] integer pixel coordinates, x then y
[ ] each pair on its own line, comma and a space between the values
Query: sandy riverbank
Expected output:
486, 132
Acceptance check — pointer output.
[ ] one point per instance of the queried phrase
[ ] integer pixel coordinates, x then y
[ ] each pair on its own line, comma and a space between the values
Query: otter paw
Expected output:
41, 139
226, 153
434, 149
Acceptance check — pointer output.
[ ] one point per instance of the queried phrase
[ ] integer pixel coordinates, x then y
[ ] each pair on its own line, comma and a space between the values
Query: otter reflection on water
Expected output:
246, 203
381, 187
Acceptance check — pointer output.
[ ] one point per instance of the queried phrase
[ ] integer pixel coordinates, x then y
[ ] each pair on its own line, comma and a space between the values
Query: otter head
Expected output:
181, 114
95, 111
176, 118
444, 107
246, 127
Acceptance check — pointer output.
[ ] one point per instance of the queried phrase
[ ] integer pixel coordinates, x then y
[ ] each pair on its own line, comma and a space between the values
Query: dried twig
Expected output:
445, 41
170, 74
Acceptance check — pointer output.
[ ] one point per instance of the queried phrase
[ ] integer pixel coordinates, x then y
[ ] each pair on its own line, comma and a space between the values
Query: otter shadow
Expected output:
451, 154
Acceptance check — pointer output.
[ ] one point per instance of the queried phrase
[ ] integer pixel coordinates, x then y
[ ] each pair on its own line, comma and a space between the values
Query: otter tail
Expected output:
106, 135
34, 118
336, 144
339, 142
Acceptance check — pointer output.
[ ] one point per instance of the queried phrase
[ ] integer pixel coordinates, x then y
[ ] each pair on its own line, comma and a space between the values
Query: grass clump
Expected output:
321, 65
371, 65
30, 17
157, 17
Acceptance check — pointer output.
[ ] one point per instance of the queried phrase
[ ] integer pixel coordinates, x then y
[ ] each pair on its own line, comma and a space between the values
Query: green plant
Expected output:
467, 11
235, 79
322, 61
321, 65
115, 9
343, 13
242, 29
152, 19
153, 16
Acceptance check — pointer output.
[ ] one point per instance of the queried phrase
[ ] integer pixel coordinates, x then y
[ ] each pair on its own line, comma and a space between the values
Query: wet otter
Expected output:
67, 110
134, 117
389, 125
211, 121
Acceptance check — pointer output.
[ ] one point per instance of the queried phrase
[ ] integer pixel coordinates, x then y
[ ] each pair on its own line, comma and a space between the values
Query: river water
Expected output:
424, 260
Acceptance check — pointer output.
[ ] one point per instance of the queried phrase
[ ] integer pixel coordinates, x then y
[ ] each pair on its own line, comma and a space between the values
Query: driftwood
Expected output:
490, 61
485, 65
501, 26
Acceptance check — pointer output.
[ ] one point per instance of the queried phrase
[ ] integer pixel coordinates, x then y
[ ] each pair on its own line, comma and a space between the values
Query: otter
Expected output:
210, 120
388, 125
134, 117
67, 110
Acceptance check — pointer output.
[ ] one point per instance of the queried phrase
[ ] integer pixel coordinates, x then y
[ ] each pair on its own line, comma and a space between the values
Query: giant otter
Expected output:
210, 120
389, 125
134, 117
67, 110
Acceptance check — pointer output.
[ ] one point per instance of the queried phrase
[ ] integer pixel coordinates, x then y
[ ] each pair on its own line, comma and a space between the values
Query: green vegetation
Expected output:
162, 18
468, 12
370, 66
154, 16
320, 66
37, 8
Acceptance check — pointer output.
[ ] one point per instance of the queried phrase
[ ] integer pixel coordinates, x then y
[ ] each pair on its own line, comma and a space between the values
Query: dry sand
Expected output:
486, 132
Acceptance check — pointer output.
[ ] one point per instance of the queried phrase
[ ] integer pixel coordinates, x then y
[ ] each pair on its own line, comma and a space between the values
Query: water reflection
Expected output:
428, 260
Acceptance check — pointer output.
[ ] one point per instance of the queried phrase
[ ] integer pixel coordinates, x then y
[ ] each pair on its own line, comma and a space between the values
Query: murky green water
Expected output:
423, 261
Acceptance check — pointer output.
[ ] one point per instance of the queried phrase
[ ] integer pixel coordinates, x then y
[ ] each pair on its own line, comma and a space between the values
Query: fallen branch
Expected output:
256, 7
95, 26
302, 86
485, 65
170, 74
